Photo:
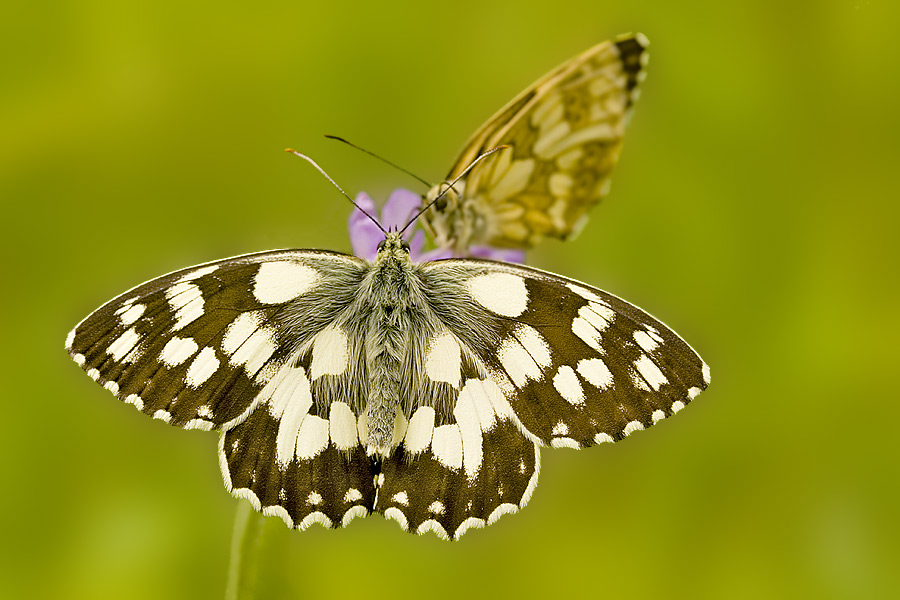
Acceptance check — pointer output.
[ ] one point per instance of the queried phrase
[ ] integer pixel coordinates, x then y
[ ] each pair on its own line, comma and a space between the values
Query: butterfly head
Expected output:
442, 219
393, 245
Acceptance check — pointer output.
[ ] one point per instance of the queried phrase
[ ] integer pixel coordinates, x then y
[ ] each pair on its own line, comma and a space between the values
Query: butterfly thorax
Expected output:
390, 285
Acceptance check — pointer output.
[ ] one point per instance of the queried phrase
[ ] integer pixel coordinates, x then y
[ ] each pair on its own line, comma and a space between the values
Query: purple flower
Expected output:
398, 210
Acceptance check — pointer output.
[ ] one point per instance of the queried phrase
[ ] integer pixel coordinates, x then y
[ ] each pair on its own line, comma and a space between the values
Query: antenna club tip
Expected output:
291, 150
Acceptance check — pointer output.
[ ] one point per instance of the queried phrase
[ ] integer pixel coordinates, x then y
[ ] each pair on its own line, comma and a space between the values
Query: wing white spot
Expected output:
248, 343
676, 406
564, 442
204, 411
442, 362
706, 374
70, 339
650, 372
657, 416
201, 369
517, 362
513, 179
469, 423
632, 426
560, 428
113, 387
281, 281
599, 316
312, 437
163, 415
647, 343
123, 344
79, 359
603, 438
93, 374
177, 350
280, 512
352, 495
400, 498
469, 523
584, 292
397, 515
330, 354
419, 430
503, 509
501, 293
595, 372
289, 400
566, 383
446, 445
136, 400
433, 526
436, 508
534, 343
352, 513
314, 498
198, 273
132, 314
186, 300
693, 392
342, 425
316, 517
586, 333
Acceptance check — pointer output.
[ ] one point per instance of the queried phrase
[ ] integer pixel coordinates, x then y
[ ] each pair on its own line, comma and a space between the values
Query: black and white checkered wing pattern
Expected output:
527, 359
578, 365
231, 346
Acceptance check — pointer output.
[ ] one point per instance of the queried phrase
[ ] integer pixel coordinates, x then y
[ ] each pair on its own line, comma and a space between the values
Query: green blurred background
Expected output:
754, 210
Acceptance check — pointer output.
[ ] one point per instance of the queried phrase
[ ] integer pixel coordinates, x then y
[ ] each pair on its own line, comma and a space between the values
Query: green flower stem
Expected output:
244, 546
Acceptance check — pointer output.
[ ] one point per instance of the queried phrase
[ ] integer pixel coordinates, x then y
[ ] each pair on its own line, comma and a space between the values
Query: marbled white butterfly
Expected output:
422, 391
564, 133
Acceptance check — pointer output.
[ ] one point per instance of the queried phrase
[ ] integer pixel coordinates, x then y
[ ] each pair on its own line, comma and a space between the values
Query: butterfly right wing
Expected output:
237, 346
565, 135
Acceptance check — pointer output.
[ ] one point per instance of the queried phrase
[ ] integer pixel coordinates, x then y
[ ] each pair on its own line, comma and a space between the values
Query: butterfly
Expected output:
422, 391
565, 135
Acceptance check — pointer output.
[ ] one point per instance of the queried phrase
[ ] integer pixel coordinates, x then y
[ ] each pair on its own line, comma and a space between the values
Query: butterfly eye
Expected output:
440, 204
381, 245
405, 245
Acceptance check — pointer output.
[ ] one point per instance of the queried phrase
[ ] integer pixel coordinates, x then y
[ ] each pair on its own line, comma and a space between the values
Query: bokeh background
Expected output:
754, 210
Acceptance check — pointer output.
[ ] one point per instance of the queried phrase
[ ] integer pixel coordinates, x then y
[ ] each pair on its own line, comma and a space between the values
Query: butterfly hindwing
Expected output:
564, 134
463, 469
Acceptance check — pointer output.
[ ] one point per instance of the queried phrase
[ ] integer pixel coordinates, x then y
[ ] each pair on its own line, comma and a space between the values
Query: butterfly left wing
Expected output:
564, 135
526, 359
244, 346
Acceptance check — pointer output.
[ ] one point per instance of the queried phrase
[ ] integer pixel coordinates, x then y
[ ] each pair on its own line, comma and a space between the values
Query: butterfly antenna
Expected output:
381, 158
346, 195
450, 186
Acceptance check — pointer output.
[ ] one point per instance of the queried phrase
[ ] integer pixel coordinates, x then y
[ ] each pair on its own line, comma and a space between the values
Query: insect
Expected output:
565, 135
422, 391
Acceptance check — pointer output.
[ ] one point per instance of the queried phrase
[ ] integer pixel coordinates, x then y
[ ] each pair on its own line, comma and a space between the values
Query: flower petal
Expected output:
364, 234
501, 254
399, 209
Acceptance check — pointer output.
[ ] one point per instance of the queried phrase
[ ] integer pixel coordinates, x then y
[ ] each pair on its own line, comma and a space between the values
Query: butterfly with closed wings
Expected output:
565, 133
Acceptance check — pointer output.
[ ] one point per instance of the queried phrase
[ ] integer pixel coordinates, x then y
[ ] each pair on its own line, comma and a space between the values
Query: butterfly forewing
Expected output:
564, 135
